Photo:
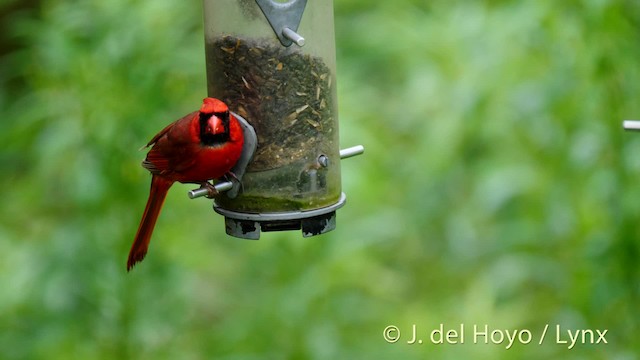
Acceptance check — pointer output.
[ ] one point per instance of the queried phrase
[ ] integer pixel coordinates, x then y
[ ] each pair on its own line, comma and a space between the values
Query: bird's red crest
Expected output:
212, 105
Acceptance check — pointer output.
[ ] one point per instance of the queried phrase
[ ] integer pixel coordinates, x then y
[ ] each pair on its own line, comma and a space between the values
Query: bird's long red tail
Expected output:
159, 188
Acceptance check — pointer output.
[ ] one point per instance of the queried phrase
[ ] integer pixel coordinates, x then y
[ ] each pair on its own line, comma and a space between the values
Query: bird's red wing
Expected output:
162, 132
162, 160
172, 148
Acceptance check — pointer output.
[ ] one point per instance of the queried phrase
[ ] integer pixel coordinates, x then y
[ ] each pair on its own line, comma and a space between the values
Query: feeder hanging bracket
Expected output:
284, 19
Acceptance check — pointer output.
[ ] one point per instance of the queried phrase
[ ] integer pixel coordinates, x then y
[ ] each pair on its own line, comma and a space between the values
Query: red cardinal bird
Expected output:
201, 146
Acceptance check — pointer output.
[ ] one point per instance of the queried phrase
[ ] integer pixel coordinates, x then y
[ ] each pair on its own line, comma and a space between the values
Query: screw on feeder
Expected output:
323, 160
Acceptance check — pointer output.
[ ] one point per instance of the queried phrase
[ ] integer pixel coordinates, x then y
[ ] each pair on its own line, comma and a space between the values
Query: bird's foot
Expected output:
211, 190
230, 174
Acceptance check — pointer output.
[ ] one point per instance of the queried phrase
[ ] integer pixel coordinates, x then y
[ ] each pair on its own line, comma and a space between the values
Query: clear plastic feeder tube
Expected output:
288, 95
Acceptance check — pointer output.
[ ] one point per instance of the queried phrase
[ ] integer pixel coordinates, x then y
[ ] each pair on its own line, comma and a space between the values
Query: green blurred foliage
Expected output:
497, 187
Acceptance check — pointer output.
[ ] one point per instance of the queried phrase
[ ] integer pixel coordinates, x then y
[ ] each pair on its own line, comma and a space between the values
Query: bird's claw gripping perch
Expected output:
209, 190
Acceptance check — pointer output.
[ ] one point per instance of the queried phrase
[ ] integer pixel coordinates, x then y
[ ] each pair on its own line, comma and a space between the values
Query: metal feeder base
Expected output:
311, 222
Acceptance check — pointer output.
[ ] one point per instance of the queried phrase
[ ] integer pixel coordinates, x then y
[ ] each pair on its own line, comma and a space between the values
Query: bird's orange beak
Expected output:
215, 125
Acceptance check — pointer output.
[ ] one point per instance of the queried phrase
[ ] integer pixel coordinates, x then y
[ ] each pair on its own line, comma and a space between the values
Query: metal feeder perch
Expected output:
631, 125
273, 62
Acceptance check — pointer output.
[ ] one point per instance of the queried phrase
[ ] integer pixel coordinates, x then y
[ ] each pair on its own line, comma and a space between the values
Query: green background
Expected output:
497, 187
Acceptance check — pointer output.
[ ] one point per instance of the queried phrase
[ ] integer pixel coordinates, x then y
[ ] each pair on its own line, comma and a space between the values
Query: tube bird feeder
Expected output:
273, 62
